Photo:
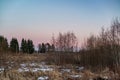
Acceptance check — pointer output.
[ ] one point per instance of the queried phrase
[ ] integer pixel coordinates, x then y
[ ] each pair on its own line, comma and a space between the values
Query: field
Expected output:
49, 66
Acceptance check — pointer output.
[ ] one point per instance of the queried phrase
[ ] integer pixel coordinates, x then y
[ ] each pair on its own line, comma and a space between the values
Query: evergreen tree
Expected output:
43, 49
14, 46
30, 46
23, 45
39, 48
3, 44
27, 46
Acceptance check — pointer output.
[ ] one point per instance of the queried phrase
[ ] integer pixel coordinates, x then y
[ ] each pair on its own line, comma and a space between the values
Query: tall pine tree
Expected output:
3, 44
43, 48
30, 46
23, 46
27, 46
14, 46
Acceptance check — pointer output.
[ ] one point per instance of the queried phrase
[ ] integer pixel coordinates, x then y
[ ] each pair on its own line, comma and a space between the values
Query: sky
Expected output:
38, 20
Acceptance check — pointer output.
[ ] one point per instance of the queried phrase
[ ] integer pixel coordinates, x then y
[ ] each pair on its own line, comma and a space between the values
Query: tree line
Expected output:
65, 42
27, 46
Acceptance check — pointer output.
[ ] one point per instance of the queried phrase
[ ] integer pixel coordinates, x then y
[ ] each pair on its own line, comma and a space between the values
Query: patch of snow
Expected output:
80, 68
43, 66
1, 69
46, 69
20, 70
105, 77
33, 64
76, 76
66, 70
26, 69
35, 69
43, 78
23, 65
23, 70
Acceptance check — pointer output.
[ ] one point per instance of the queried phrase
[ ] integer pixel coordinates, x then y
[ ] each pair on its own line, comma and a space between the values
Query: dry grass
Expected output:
23, 57
54, 75
65, 61
15, 75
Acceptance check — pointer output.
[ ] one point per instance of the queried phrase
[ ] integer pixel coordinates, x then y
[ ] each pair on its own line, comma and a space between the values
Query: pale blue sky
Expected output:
39, 19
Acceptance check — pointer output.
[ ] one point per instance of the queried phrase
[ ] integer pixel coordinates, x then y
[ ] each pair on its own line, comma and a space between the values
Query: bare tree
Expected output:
104, 49
114, 37
66, 42
53, 42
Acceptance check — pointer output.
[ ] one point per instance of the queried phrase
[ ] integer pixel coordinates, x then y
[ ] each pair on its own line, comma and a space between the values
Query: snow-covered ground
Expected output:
70, 72
34, 67
42, 67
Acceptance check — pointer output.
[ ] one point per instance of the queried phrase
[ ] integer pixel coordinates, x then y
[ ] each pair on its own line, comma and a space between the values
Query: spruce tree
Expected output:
39, 48
3, 44
23, 45
43, 49
30, 46
14, 46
